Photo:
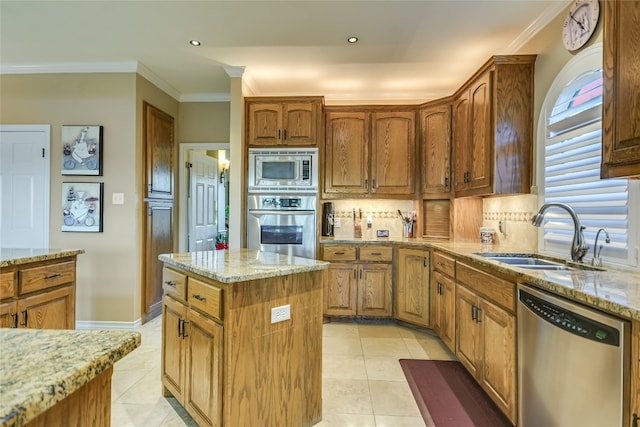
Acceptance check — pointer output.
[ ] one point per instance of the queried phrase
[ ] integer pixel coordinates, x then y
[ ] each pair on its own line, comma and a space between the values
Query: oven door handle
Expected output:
258, 212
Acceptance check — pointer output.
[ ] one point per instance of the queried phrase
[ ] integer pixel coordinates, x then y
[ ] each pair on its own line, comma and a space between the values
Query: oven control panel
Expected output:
281, 202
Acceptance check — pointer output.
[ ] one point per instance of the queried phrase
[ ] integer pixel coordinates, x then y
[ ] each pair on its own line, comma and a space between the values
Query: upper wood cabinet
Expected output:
284, 121
621, 73
493, 128
158, 145
435, 148
369, 152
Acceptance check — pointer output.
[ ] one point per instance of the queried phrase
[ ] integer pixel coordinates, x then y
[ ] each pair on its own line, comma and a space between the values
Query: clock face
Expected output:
580, 23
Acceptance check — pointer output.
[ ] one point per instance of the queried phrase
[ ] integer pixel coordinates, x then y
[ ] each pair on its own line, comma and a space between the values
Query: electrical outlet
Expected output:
369, 221
280, 314
337, 222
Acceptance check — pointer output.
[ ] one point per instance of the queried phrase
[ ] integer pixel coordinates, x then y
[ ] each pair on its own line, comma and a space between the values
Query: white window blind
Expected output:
572, 157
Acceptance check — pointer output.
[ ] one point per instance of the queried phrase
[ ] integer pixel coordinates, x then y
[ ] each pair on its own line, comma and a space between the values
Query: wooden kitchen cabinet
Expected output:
412, 293
159, 134
369, 152
293, 122
192, 360
493, 128
485, 334
435, 148
39, 295
360, 282
621, 79
443, 303
635, 374
158, 223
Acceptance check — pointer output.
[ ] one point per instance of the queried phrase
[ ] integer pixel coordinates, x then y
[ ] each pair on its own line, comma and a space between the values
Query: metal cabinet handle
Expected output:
366, 184
446, 182
285, 134
360, 274
338, 253
170, 283
478, 310
636, 420
278, 133
180, 327
14, 317
376, 253
53, 276
355, 274
473, 313
199, 297
184, 329
440, 263
25, 317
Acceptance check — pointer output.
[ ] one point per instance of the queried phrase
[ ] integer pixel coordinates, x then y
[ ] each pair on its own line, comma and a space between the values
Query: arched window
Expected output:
571, 129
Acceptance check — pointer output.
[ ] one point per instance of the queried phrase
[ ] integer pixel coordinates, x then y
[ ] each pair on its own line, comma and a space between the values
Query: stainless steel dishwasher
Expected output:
573, 363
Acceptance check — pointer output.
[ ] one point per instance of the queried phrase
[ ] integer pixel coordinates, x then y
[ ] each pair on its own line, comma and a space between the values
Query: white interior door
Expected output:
24, 185
203, 200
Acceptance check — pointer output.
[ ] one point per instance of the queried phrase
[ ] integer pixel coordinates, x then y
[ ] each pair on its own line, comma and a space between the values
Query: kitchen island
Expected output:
242, 337
59, 377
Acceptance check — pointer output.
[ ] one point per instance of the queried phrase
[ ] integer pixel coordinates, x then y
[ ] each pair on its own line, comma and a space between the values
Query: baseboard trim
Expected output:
100, 326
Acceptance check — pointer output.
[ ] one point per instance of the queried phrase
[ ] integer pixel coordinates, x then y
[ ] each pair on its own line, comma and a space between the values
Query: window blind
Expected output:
572, 159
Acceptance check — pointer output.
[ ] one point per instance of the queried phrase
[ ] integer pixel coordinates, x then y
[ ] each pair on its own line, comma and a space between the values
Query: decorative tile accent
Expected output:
508, 216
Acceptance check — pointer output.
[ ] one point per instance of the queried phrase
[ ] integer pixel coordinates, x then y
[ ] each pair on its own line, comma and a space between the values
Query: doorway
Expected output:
204, 196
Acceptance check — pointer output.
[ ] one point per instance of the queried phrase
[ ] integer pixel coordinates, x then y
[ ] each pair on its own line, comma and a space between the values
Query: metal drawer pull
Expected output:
199, 297
25, 316
376, 253
14, 316
338, 253
53, 276
440, 263
184, 329
170, 283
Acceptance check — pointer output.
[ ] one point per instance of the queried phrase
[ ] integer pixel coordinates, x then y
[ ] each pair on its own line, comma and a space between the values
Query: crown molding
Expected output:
234, 71
157, 81
205, 97
548, 15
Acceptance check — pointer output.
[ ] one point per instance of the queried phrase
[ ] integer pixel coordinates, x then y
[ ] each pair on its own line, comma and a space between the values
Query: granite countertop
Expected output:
239, 265
614, 290
15, 256
39, 368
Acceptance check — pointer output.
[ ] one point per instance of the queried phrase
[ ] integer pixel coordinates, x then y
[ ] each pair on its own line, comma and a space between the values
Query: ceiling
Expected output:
408, 51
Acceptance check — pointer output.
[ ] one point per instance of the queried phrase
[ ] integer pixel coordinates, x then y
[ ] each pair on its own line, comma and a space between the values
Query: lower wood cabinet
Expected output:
357, 288
39, 295
486, 337
443, 309
635, 374
412, 293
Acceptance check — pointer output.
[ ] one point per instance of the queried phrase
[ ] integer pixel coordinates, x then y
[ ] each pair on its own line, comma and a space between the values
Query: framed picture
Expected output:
82, 150
82, 206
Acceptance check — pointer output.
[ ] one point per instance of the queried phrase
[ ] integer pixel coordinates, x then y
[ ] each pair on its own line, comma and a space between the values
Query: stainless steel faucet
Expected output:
578, 246
597, 261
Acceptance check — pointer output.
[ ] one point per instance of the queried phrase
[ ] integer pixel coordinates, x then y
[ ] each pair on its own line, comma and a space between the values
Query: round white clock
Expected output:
580, 23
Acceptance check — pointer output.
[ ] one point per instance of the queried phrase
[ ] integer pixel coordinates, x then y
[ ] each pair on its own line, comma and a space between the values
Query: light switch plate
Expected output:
117, 198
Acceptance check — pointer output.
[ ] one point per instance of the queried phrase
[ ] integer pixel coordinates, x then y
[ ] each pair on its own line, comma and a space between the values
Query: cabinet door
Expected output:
347, 153
203, 398
467, 330
8, 315
635, 372
621, 109
300, 124
265, 124
498, 356
174, 315
393, 153
374, 290
480, 164
436, 302
461, 140
448, 330
158, 130
49, 310
158, 240
341, 290
435, 149
412, 303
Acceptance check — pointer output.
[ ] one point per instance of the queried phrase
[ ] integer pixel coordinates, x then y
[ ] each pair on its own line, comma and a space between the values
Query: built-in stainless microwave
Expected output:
283, 170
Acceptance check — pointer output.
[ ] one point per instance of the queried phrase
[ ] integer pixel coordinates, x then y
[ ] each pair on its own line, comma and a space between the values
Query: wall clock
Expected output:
580, 23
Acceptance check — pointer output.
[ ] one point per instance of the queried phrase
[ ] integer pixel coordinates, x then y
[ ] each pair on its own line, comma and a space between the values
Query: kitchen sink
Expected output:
528, 261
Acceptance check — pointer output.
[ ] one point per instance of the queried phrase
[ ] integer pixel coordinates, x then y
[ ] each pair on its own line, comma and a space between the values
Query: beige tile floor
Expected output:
363, 384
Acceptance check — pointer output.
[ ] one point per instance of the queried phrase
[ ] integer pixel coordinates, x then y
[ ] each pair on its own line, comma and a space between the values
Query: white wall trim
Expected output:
102, 326
548, 15
205, 97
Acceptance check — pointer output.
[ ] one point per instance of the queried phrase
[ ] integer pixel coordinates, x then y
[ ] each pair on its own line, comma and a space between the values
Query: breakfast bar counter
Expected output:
59, 377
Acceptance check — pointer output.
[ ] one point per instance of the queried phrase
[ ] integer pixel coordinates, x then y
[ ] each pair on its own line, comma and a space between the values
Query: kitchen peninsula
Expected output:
242, 337
59, 377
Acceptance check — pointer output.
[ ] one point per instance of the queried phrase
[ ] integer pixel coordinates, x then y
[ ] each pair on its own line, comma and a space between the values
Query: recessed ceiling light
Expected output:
194, 43
352, 40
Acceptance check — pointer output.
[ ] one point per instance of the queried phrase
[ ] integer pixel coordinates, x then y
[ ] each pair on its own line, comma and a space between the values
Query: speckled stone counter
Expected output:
240, 265
16, 256
40, 368
613, 290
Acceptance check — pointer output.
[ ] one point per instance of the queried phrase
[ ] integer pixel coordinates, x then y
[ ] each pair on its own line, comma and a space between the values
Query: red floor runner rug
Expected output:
446, 392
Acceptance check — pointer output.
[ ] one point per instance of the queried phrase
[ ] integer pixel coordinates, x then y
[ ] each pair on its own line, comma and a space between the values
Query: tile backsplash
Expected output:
514, 212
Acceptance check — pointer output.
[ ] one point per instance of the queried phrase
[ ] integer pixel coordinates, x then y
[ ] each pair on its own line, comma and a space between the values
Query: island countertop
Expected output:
239, 265
39, 368
16, 256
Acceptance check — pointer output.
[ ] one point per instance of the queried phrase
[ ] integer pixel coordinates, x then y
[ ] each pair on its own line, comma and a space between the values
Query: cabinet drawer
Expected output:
7, 284
338, 253
46, 276
444, 264
174, 284
206, 298
499, 291
376, 253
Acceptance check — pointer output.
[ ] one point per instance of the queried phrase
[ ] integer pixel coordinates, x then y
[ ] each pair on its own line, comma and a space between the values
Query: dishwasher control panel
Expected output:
569, 321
